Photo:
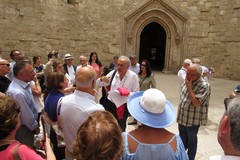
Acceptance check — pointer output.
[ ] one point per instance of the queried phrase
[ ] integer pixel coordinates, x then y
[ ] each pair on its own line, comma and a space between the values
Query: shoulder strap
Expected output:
15, 152
132, 137
142, 81
172, 138
115, 71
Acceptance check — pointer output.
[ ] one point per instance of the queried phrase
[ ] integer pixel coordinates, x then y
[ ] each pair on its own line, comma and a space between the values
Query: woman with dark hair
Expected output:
95, 63
146, 80
99, 137
56, 83
10, 148
58, 67
39, 69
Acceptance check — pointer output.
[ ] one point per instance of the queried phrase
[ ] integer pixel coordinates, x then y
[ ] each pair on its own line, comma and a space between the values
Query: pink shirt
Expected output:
24, 152
97, 69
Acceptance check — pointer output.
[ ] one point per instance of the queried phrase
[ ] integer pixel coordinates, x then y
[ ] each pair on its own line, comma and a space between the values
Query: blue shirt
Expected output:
154, 151
51, 104
21, 92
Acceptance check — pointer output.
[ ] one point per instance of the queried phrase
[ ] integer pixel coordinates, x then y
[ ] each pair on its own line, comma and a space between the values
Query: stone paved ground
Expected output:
207, 137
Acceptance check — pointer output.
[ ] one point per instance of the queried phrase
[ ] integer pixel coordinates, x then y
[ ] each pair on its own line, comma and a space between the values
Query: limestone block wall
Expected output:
82, 26
214, 34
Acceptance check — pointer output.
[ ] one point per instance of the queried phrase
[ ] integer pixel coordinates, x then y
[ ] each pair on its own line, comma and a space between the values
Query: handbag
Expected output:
104, 100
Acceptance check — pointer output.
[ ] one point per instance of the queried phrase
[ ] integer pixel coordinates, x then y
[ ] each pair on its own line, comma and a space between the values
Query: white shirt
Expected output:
70, 81
135, 68
224, 157
75, 109
129, 81
181, 76
71, 73
205, 70
37, 99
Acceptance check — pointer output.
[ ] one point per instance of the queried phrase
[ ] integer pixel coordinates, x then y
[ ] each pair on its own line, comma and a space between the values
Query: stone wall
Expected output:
82, 26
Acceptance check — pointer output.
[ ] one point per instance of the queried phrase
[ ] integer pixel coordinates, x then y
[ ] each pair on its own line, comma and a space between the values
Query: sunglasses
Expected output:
6, 64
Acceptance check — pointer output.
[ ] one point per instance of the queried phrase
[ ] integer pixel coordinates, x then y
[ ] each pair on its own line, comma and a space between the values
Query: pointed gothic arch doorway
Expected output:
153, 45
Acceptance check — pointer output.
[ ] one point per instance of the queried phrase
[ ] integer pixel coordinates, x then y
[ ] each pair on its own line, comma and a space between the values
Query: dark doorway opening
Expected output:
153, 45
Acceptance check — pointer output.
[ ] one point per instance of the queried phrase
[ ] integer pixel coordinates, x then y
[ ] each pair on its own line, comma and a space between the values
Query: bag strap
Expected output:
115, 71
16, 155
142, 81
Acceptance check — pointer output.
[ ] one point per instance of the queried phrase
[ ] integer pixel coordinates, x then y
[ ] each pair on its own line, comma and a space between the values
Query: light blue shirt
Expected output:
154, 151
21, 92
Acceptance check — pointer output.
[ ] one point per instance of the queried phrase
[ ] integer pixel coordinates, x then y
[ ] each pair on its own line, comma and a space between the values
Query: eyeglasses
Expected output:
6, 64
144, 65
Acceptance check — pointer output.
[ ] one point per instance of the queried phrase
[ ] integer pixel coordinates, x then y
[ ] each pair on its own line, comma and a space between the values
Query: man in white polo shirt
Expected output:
76, 108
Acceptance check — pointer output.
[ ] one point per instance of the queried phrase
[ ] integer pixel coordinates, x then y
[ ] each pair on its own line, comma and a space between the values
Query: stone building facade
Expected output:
163, 31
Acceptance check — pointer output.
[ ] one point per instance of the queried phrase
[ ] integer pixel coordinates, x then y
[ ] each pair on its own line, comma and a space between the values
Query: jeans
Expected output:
189, 138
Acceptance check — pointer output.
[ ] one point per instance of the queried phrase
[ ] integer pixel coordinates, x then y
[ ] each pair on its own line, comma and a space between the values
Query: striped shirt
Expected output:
188, 114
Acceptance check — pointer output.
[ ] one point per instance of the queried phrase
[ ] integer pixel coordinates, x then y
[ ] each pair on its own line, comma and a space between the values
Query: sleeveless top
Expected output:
146, 151
25, 153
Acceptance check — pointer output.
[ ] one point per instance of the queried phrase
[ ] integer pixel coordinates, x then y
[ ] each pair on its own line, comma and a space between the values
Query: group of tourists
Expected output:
81, 127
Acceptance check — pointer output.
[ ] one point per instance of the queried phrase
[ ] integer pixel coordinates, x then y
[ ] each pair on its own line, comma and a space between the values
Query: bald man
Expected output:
4, 70
77, 107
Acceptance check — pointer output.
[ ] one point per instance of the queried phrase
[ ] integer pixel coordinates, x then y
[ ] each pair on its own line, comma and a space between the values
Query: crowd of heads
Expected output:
99, 137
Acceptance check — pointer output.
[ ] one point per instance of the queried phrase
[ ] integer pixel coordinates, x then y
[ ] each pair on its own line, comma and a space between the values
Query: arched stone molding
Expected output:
172, 20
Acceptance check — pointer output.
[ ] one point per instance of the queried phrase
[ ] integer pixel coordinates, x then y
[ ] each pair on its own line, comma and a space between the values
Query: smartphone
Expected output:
44, 130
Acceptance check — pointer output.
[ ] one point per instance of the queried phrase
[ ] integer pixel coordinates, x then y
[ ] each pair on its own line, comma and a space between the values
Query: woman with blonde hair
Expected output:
99, 137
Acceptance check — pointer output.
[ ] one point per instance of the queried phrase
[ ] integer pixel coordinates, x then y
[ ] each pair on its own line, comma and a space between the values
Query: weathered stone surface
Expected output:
208, 29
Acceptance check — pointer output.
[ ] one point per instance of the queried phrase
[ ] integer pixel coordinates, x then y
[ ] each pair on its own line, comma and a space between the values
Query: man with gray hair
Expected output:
134, 66
229, 130
182, 72
83, 62
193, 108
75, 108
20, 90
122, 78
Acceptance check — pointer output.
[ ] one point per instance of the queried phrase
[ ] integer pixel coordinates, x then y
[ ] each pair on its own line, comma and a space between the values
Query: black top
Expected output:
4, 83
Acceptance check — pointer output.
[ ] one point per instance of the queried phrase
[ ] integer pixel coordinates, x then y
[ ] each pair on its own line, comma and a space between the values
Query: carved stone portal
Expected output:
170, 18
